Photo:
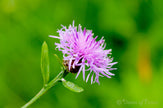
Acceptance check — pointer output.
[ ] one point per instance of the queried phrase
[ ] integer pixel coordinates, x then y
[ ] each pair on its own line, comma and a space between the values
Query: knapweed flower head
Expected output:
83, 54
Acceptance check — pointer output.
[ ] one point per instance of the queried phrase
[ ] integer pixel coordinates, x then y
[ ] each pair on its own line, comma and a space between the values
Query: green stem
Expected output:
45, 88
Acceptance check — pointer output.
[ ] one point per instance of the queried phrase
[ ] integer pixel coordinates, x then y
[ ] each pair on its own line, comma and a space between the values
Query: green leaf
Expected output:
45, 63
71, 86
59, 60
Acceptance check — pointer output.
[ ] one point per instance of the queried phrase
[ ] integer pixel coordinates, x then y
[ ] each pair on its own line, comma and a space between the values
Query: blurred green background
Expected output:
132, 28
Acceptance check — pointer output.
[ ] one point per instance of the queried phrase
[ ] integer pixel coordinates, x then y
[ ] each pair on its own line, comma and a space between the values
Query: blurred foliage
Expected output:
133, 29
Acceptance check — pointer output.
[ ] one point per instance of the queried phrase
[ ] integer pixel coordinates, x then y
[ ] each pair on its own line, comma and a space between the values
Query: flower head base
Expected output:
81, 50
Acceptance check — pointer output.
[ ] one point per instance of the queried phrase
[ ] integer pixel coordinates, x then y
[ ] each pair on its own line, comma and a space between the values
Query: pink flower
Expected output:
82, 51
